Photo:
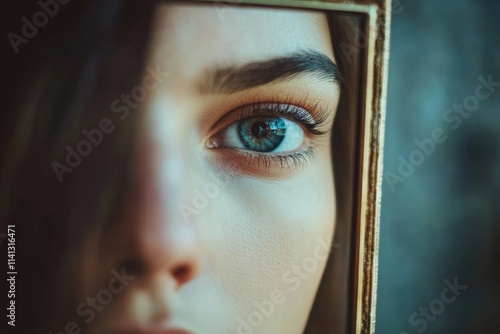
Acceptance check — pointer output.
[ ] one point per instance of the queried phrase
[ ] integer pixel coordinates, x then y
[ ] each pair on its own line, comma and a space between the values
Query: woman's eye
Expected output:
264, 134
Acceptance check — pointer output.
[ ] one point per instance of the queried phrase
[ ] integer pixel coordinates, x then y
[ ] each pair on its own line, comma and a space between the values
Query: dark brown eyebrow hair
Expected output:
235, 78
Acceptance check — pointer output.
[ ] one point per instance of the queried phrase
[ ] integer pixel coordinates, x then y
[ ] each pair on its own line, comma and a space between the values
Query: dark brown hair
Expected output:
333, 305
64, 80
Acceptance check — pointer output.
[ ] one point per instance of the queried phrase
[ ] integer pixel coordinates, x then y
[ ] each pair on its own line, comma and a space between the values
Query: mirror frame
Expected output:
375, 53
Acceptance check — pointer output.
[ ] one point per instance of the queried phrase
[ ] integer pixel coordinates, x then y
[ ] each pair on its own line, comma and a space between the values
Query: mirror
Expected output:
204, 167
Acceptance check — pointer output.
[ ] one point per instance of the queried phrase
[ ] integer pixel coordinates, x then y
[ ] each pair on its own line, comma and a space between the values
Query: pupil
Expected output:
260, 129
262, 133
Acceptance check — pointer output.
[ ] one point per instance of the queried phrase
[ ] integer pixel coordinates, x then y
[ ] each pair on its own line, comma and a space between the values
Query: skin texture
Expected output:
231, 260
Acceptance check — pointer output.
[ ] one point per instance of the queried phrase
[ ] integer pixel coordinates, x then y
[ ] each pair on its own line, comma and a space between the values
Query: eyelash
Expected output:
291, 110
294, 159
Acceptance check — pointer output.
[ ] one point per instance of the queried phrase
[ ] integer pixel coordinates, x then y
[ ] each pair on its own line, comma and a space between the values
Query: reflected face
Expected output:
233, 216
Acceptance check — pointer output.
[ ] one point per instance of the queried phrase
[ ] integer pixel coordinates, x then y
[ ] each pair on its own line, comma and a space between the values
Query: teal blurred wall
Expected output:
441, 210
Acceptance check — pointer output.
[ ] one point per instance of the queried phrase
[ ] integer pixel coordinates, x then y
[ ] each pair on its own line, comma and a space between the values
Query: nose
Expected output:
162, 242
164, 247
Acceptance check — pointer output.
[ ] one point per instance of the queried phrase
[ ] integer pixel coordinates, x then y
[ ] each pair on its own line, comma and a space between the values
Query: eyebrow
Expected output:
235, 78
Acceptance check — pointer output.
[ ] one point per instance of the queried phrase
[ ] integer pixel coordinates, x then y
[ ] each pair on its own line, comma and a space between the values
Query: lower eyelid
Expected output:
238, 162
283, 161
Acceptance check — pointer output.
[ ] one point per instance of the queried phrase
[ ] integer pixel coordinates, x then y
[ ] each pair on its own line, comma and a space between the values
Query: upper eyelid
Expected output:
293, 113
281, 109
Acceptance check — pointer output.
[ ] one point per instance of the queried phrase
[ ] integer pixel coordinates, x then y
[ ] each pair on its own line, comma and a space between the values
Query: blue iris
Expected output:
262, 133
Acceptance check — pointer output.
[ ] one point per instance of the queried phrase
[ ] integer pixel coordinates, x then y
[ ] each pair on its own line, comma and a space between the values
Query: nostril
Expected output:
181, 273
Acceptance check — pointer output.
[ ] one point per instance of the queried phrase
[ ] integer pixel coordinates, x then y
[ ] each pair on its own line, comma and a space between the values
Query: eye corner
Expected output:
213, 142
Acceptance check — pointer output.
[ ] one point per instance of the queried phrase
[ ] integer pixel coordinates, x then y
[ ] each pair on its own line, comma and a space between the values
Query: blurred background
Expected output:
440, 221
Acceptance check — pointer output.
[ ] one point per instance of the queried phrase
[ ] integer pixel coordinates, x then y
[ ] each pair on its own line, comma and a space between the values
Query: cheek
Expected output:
260, 230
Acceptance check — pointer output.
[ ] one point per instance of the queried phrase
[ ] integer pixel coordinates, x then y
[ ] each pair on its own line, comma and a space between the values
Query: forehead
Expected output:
189, 37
